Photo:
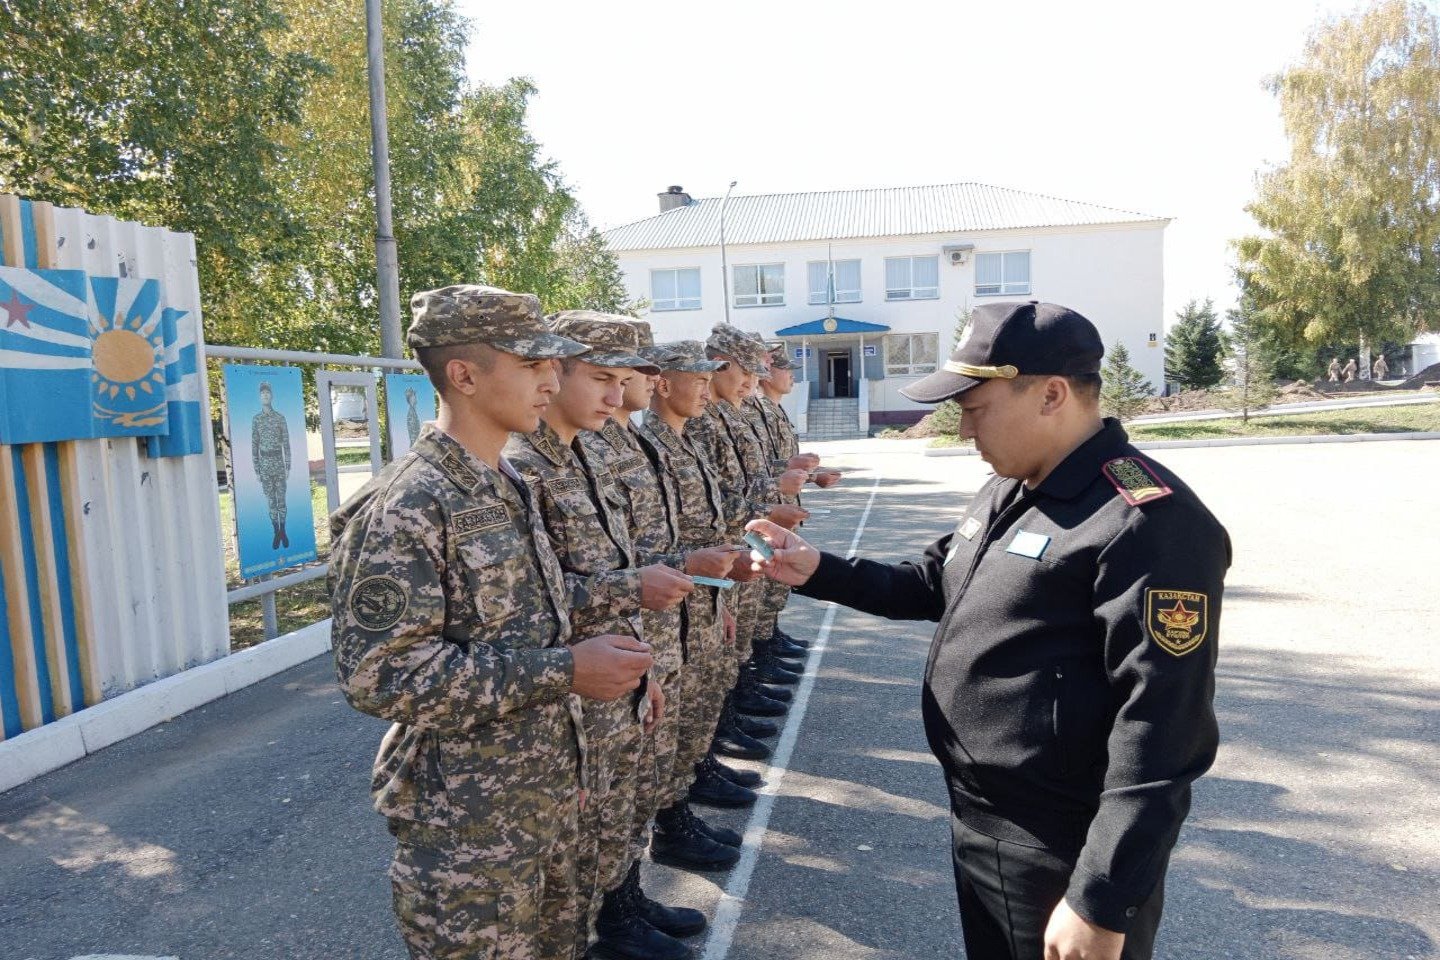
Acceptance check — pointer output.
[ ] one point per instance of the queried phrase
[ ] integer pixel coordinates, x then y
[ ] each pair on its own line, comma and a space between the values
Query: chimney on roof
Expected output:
672, 198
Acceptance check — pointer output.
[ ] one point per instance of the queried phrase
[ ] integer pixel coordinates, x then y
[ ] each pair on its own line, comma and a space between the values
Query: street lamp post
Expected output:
724, 267
387, 266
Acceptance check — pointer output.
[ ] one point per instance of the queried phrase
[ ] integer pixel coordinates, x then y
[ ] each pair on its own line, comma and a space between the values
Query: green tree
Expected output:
1252, 381
1350, 248
1192, 347
1124, 389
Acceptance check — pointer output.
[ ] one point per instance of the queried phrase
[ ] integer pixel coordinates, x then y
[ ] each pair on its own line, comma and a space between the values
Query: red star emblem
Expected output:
17, 309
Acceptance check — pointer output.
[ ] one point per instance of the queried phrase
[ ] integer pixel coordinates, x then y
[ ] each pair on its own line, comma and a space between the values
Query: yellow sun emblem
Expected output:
129, 371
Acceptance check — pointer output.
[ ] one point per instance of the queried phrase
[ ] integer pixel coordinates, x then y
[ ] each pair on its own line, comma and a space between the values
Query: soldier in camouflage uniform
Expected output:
683, 392
451, 620
752, 489
584, 518
270, 453
651, 509
412, 415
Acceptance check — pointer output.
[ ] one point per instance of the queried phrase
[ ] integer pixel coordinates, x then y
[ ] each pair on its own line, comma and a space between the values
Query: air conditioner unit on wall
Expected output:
957, 253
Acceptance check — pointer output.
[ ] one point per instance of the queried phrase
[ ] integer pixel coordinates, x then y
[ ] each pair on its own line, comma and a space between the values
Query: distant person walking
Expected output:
1351, 369
1381, 369
1334, 370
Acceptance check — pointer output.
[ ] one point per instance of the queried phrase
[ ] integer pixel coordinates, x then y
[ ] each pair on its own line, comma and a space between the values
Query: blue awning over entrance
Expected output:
829, 325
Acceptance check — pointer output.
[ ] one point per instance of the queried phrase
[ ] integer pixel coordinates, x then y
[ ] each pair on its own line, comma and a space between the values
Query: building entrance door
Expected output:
838, 366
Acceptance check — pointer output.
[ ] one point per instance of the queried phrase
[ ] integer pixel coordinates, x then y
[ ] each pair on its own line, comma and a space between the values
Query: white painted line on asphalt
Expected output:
732, 901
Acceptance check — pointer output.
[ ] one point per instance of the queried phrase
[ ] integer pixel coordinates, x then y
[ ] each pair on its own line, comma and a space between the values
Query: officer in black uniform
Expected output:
1068, 694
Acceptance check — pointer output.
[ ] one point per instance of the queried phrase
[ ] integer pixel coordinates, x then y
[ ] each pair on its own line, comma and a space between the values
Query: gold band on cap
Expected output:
1006, 372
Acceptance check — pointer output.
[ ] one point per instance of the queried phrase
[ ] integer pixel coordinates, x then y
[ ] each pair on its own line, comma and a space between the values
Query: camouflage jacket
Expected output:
270, 443
727, 440
584, 517
650, 509
450, 620
780, 429
762, 413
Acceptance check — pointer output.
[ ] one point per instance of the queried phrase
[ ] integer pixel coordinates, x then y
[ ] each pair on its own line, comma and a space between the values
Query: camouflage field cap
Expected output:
779, 359
613, 341
736, 343
688, 356
645, 338
469, 313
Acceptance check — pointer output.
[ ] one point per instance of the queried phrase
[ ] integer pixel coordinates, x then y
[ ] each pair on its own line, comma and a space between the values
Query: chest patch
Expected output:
561, 485
1027, 544
970, 527
1178, 619
468, 523
1135, 481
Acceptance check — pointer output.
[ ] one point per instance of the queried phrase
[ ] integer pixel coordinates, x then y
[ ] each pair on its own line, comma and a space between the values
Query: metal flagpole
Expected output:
387, 266
724, 268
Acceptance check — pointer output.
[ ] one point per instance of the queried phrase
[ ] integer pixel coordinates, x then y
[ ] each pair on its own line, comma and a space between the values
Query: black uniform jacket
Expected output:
1069, 690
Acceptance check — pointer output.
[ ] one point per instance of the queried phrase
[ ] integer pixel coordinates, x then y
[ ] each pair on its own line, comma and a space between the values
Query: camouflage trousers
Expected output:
746, 604
708, 675
454, 905
776, 596
274, 487
657, 763
612, 777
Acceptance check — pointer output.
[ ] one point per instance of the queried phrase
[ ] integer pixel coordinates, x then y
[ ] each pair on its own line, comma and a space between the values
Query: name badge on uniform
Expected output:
970, 527
1027, 544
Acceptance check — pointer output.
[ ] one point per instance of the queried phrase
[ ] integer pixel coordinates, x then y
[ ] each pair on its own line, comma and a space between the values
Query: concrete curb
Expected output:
39, 751
1228, 442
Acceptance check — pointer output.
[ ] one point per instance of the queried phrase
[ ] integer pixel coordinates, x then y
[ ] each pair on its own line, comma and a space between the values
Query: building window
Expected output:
912, 278
910, 354
843, 274
1002, 273
675, 289
760, 285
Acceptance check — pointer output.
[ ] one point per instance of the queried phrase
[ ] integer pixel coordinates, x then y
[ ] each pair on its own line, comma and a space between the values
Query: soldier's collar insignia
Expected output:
547, 441
377, 603
1135, 481
458, 470
1178, 620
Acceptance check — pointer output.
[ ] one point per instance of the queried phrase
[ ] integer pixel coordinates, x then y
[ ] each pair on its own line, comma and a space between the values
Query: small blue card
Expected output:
1027, 544
720, 582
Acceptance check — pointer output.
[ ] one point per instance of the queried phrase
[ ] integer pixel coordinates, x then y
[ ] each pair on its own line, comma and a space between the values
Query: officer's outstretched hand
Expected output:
609, 666
793, 560
663, 587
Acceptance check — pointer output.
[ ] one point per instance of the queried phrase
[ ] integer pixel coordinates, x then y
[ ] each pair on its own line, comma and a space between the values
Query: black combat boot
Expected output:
719, 834
755, 727
733, 742
674, 921
791, 641
766, 670
788, 650
746, 699
712, 789
746, 778
678, 842
623, 934
769, 651
284, 537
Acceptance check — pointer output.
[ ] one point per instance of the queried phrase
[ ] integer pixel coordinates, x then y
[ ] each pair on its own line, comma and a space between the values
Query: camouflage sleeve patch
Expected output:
377, 603
1135, 481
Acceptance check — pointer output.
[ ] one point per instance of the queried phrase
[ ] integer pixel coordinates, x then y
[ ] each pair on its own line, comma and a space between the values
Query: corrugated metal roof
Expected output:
846, 214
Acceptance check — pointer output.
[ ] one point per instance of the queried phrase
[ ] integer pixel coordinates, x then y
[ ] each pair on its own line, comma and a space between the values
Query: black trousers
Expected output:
1007, 892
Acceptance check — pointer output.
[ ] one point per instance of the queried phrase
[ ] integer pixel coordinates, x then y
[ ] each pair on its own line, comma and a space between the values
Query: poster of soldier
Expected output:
274, 519
409, 402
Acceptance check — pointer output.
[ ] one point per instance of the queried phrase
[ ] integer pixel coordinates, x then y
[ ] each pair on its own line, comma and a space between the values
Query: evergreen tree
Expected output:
1192, 347
1124, 389
1252, 378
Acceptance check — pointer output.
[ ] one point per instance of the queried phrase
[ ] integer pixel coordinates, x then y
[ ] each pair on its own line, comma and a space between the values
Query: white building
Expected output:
869, 284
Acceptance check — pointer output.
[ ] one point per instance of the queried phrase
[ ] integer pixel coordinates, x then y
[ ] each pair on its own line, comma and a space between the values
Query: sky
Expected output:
1156, 107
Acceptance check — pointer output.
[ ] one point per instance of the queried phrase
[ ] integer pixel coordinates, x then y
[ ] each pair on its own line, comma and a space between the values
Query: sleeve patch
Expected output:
1135, 481
377, 603
1178, 619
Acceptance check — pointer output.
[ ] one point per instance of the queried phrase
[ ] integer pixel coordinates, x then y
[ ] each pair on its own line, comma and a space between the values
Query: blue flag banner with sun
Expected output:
85, 357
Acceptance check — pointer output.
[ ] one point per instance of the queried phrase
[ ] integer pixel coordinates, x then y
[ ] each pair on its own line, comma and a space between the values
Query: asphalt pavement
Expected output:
243, 829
